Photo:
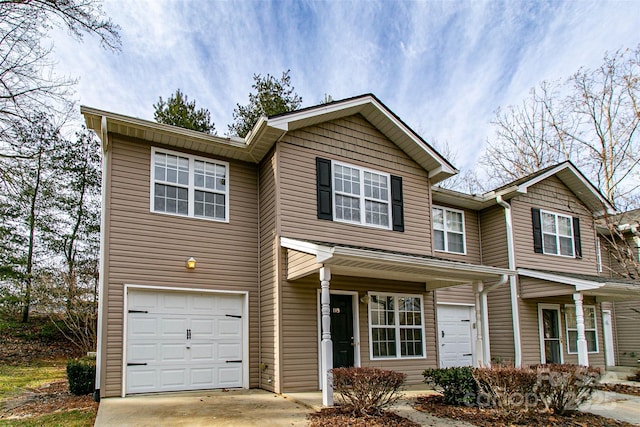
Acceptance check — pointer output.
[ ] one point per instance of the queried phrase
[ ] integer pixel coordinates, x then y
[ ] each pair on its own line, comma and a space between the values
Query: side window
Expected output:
396, 328
556, 234
189, 186
352, 194
590, 329
448, 230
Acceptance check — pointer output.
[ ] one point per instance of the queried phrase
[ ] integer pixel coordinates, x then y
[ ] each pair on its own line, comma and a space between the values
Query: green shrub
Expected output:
458, 385
367, 391
81, 374
565, 387
508, 388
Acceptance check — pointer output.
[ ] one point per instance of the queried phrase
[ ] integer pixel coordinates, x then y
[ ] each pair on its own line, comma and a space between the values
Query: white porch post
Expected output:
480, 362
583, 353
327, 345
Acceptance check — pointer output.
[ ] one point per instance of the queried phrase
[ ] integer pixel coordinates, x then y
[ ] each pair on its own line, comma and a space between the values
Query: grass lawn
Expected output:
74, 418
14, 379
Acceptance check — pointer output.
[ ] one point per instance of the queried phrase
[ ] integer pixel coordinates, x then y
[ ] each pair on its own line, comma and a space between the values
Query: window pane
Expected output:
589, 318
550, 246
566, 246
347, 179
591, 341
439, 240
438, 219
573, 341
375, 186
384, 342
454, 221
564, 226
376, 213
170, 199
548, 223
570, 315
347, 208
411, 342
455, 242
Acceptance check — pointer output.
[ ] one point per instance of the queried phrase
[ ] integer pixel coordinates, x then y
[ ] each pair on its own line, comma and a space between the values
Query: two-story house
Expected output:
319, 241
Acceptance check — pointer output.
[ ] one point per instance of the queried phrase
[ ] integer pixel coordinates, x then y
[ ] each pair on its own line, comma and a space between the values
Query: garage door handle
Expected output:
138, 311
137, 364
468, 354
234, 316
234, 361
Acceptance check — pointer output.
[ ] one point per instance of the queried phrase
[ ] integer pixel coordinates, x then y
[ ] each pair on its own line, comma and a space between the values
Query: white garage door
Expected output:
455, 335
183, 341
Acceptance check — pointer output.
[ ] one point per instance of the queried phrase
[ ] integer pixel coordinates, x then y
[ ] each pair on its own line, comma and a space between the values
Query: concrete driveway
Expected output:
203, 408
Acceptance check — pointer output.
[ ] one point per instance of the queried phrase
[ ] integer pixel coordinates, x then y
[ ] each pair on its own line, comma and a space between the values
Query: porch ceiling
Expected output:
374, 263
605, 289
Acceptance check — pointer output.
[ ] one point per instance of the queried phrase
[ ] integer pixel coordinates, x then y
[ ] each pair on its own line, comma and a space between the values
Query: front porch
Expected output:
392, 297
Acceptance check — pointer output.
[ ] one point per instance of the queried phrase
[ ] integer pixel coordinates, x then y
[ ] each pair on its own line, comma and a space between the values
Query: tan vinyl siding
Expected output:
268, 274
300, 329
471, 235
355, 141
300, 264
529, 328
493, 234
462, 294
146, 248
627, 319
536, 288
552, 195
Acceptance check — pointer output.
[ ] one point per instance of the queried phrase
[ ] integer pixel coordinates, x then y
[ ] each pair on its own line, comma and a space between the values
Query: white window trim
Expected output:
191, 185
594, 329
397, 327
361, 196
464, 230
557, 235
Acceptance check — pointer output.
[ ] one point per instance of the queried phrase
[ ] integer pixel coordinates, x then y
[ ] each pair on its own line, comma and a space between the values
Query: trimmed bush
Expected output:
563, 388
458, 385
367, 391
510, 389
81, 374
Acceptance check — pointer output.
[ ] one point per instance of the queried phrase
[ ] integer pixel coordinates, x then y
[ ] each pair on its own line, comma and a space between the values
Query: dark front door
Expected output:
551, 338
342, 330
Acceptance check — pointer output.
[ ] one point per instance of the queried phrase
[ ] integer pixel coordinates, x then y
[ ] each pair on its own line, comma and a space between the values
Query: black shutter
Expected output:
323, 180
576, 237
397, 204
537, 230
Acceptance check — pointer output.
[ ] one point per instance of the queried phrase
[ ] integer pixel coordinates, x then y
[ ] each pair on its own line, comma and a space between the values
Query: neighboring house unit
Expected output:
620, 257
320, 241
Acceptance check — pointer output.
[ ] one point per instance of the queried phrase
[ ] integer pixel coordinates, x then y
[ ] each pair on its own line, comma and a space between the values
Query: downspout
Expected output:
103, 228
482, 317
260, 370
515, 312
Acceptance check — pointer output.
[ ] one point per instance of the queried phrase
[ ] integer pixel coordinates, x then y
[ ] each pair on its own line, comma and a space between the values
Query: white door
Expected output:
455, 335
610, 359
183, 341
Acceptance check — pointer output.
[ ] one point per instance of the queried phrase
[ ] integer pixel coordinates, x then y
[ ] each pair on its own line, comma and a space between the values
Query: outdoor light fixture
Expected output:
191, 263
365, 299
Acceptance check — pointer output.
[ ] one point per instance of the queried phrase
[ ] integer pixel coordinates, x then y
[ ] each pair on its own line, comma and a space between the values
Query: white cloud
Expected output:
443, 67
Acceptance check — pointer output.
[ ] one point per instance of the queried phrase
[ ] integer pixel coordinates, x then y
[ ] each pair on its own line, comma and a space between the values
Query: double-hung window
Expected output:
590, 329
448, 230
187, 185
557, 234
361, 196
396, 327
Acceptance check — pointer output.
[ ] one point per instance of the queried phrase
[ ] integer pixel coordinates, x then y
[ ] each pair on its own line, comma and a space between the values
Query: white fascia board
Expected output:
419, 261
580, 284
283, 122
322, 253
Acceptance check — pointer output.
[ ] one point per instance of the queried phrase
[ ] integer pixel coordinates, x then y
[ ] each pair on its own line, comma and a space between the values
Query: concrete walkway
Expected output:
621, 407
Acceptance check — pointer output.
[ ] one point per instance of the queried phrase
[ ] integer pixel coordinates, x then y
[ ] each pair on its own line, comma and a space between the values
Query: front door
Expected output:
551, 338
342, 330
455, 335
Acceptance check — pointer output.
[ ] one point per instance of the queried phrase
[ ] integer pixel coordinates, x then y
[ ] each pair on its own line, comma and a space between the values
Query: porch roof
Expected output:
604, 287
361, 261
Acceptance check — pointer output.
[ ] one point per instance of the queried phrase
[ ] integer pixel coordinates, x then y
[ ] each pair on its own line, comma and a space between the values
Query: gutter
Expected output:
515, 311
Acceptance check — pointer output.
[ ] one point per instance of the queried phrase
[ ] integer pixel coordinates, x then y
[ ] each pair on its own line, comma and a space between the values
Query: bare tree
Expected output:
592, 119
620, 239
466, 180
27, 81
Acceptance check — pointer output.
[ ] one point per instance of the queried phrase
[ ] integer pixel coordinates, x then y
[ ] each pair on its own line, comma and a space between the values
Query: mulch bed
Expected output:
54, 397
495, 418
331, 417
620, 388
23, 350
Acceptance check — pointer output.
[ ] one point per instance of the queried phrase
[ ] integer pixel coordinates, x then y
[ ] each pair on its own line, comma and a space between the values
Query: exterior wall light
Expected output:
191, 263
365, 299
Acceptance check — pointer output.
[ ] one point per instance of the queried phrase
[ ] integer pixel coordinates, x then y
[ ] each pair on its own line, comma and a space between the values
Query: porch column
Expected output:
480, 362
327, 345
583, 353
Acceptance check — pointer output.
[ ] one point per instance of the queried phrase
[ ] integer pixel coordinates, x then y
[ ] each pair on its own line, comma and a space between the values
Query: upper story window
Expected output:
556, 234
448, 230
188, 185
357, 195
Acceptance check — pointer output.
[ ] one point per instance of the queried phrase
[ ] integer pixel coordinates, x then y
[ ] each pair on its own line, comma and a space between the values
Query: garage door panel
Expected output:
455, 335
157, 336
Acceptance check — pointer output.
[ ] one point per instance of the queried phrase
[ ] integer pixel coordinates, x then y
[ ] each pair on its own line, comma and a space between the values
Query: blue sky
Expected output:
443, 67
